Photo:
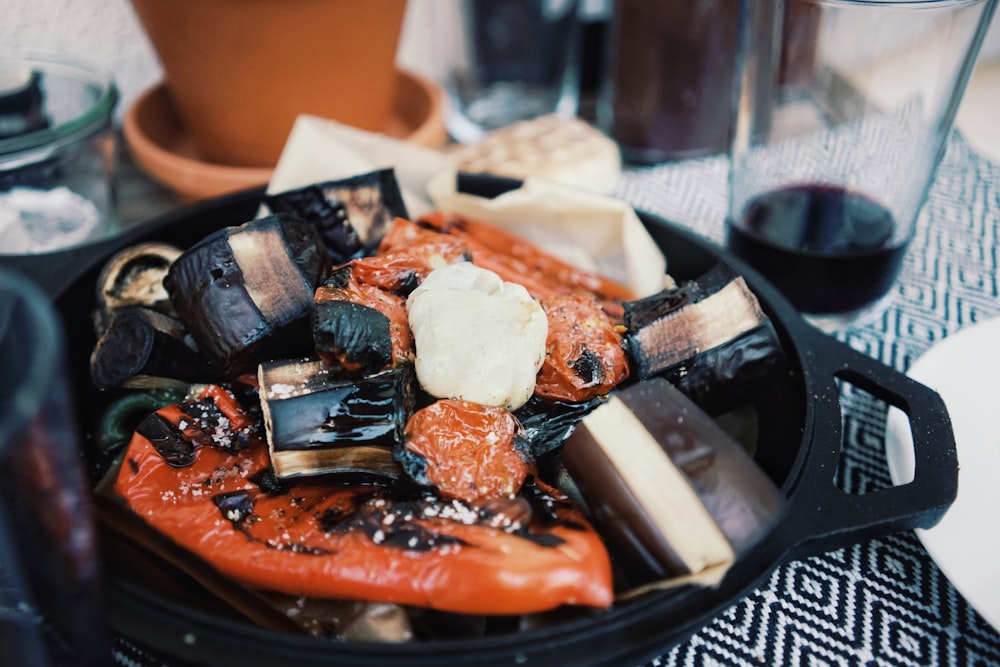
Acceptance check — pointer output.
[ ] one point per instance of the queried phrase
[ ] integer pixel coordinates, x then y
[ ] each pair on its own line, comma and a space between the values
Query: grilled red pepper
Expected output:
212, 492
331, 317
519, 261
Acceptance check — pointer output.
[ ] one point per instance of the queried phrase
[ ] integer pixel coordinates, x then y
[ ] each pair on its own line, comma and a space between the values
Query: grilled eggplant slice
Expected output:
350, 214
246, 293
675, 493
547, 423
145, 349
708, 336
360, 328
318, 423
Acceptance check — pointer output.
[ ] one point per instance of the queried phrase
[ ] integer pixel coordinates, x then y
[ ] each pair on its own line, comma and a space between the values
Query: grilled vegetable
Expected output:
144, 349
214, 417
466, 450
477, 337
349, 214
246, 293
584, 352
367, 343
708, 336
667, 486
401, 271
406, 237
520, 555
518, 261
317, 423
134, 277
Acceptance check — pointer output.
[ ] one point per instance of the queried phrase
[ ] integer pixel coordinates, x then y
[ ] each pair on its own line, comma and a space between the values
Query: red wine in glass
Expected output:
828, 250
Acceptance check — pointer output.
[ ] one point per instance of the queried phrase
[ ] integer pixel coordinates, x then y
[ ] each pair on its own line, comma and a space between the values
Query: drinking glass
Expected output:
51, 610
504, 61
829, 169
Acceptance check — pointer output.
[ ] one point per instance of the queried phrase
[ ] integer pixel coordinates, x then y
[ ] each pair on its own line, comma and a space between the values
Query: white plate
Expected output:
964, 369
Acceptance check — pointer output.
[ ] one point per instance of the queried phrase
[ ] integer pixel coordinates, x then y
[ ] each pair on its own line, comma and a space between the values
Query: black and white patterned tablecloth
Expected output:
882, 602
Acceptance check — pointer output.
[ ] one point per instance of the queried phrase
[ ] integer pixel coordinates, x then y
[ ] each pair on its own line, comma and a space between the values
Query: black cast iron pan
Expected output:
799, 445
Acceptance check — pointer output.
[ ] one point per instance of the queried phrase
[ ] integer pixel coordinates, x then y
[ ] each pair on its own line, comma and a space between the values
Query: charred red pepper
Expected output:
402, 270
521, 555
520, 261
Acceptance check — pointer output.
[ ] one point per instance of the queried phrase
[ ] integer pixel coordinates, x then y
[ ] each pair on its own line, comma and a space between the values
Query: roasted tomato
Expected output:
467, 450
401, 271
584, 356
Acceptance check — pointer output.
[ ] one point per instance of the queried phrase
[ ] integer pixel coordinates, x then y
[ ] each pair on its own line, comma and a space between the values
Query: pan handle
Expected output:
825, 516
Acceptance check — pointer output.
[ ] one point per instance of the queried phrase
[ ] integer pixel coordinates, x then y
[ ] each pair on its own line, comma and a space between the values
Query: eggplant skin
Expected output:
724, 377
548, 423
139, 341
352, 336
329, 216
245, 293
646, 311
305, 246
351, 214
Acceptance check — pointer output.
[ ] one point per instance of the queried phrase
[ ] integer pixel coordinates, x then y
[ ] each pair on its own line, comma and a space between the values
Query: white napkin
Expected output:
592, 231
589, 230
319, 150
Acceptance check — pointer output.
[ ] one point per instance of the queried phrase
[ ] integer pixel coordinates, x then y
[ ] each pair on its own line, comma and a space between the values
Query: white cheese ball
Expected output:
477, 337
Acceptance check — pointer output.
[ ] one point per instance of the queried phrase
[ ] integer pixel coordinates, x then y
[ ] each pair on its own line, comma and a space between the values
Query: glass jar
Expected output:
58, 154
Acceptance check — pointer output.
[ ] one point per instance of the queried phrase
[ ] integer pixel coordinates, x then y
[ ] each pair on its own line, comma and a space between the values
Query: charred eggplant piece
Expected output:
329, 216
359, 328
353, 337
246, 293
667, 485
350, 214
547, 423
317, 423
708, 336
134, 277
144, 349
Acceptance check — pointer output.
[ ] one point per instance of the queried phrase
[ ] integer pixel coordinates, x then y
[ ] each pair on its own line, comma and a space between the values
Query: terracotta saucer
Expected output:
165, 150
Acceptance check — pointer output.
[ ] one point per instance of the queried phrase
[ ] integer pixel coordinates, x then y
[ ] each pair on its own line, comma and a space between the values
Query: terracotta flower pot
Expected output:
240, 71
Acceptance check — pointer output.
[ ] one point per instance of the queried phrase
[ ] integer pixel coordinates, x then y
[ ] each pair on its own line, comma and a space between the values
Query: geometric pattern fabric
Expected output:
882, 602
